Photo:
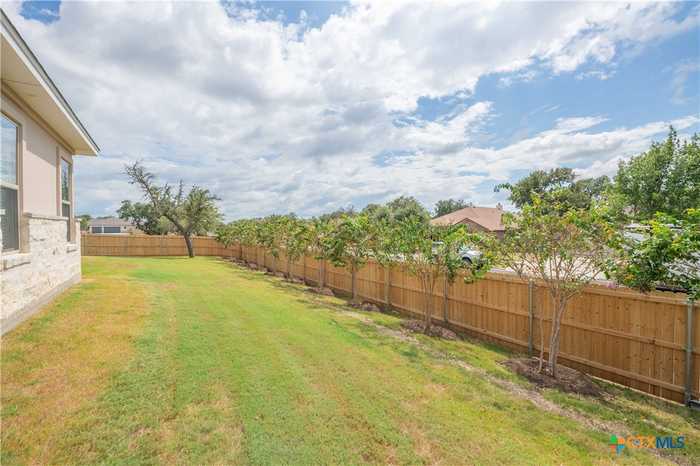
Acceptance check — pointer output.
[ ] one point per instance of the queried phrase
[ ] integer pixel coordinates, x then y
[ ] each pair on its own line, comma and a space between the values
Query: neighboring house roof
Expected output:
109, 222
24, 76
487, 217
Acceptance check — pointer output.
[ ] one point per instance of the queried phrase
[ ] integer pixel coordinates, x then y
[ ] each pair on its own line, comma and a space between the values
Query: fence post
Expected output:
689, 354
322, 274
303, 274
530, 316
445, 302
387, 286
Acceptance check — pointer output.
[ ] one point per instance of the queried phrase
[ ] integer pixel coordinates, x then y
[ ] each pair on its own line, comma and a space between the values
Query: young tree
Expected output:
226, 235
663, 251
664, 179
430, 252
351, 246
321, 244
384, 248
447, 206
563, 248
248, 233
269, 236
295, 240
194, 212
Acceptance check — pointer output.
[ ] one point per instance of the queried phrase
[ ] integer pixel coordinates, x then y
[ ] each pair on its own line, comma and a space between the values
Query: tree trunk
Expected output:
353, 274
539, 368
387, 288
428, 314
556, 336
188, 242
289, 268
322, 274
240, 251
274, 265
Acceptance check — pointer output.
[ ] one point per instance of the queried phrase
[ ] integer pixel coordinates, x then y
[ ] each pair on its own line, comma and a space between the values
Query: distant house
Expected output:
487, 219
111, 225
41, 135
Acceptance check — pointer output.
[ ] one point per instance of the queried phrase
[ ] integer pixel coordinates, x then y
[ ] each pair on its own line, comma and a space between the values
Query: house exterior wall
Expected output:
40, 154
47, 262
476, 228
30, 279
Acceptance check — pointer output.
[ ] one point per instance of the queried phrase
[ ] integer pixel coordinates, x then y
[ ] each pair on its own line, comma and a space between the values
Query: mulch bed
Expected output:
417, 326
365, 306
568, 380
321, 291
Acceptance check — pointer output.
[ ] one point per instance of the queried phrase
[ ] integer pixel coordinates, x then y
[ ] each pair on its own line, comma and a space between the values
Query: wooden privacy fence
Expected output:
634, 339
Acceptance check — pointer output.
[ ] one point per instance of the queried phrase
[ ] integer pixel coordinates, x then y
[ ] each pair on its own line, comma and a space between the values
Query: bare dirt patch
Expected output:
568, 380
417, 326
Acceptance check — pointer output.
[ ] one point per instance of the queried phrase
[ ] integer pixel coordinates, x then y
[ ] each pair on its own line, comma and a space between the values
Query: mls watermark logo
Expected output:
619, 443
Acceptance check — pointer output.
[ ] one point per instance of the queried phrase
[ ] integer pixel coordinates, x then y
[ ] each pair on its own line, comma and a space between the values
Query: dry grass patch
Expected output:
61, 359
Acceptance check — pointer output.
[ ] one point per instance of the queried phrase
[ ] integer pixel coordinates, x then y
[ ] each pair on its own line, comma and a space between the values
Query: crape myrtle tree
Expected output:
321, 244
269, 236
189, 213
384, 248
351, 246
225, 235
563, 248
430, 252
249, 233
294, 239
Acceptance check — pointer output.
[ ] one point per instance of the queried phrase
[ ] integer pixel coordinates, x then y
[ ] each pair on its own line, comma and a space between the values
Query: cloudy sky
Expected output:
310, 106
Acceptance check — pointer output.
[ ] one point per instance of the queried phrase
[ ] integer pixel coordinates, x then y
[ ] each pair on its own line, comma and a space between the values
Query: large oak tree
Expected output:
189, 213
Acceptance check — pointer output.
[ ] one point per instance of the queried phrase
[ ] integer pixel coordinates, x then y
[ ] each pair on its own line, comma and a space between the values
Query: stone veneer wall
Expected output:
46, 266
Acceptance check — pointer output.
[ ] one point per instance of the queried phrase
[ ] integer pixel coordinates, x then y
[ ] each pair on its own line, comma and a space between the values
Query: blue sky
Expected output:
309, 106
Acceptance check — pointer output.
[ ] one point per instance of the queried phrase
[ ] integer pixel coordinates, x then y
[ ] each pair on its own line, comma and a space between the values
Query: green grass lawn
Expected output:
197, 361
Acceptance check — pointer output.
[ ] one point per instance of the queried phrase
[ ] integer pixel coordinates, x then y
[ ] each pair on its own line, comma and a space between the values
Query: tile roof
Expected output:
487, 217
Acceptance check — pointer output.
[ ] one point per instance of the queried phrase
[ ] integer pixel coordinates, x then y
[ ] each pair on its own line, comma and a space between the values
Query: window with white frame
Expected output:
66, 189
9, 185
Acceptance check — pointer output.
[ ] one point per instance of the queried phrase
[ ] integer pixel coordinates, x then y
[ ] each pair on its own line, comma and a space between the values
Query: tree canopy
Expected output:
447, 206
556, 186
191, 213
665, 179
397, 210
145, 218
662, 251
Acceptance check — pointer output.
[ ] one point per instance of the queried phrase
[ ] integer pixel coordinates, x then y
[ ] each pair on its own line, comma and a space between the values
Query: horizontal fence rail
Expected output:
637, 340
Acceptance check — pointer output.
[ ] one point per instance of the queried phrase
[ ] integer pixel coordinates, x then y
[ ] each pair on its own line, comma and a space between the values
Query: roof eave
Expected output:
27, 56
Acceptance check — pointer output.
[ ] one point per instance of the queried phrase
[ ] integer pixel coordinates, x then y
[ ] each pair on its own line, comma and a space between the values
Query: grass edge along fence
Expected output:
637, 340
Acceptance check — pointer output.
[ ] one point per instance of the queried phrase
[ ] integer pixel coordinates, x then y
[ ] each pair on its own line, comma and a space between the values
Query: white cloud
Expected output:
681, 73
278, 117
